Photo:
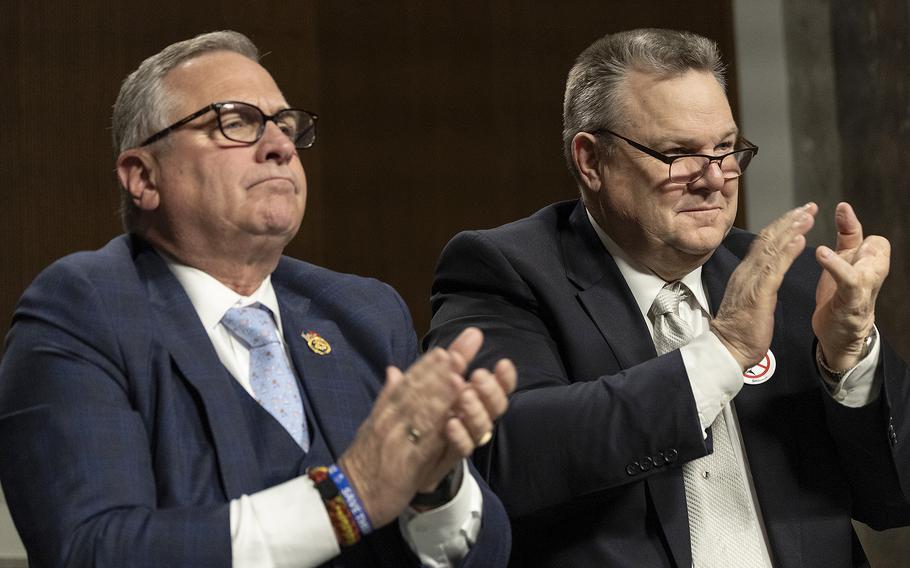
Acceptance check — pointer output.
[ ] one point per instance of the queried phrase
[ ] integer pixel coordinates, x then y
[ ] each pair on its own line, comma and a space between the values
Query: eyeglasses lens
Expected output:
691, 168
246, 123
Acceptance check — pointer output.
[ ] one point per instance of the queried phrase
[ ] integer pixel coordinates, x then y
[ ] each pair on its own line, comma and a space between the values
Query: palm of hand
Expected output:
845, 298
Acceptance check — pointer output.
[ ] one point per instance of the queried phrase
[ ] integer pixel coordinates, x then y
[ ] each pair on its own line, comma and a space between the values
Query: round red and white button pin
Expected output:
762, 371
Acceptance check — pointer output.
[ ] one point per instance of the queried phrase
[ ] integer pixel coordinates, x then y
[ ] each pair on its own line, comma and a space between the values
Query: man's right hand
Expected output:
745, 319
422, 424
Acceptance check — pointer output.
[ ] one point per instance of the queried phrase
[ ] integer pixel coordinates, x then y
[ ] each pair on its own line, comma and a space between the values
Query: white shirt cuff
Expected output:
859, 386
443, 536
714, 375
283, 526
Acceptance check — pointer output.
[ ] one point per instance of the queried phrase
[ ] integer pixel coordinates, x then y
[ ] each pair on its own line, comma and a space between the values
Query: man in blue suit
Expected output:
187, 396
689, 393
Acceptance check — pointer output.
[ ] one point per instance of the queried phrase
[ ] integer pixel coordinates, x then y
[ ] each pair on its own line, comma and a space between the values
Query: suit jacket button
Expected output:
671, 455
633, 468
646, 463
659, 460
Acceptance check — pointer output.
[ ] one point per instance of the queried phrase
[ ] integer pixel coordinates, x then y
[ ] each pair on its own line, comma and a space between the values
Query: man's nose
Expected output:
713, 179
275, 144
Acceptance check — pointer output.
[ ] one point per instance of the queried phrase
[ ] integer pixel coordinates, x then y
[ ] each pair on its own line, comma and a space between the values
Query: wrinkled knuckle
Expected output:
438, 355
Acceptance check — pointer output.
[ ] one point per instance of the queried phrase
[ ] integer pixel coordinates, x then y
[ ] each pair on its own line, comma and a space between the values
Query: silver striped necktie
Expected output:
722, 525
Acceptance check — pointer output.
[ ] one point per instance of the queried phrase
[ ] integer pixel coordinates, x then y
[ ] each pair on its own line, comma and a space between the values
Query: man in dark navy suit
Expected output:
187, 396
688, 394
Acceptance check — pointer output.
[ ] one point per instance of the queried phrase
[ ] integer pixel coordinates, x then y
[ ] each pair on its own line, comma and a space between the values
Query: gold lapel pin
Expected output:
316, 343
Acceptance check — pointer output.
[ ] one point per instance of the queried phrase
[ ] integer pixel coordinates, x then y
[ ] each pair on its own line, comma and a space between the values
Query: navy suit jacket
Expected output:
122, 440
587, 460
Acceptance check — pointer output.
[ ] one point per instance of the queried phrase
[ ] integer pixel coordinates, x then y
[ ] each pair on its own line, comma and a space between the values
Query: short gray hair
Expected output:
593, 98
143, 105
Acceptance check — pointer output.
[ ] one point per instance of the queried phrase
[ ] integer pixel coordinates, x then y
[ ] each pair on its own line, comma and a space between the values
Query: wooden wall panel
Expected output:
62, 65
435, 117
440, 117
873, 105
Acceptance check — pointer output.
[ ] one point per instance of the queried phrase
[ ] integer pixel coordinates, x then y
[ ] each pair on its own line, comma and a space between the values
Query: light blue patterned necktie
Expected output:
271, 378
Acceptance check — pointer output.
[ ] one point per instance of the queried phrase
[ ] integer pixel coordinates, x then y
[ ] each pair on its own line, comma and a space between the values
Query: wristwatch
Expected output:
444, 492
868, 342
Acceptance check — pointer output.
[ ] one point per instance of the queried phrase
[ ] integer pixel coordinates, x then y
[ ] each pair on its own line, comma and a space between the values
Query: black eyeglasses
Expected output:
243, 122
689, 168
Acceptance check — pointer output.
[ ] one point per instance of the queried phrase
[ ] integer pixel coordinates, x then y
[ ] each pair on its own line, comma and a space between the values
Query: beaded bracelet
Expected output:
346, 529
351, 499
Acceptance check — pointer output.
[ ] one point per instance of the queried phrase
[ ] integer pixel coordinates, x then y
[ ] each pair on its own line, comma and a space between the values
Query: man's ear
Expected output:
588, 161
137, 171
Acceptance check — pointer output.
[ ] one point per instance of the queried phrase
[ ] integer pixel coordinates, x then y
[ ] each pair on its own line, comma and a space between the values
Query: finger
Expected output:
877, 245
784, 229
777, 246
393, 378
464, 348
506, 375
849, 229
474, 415
459, 438
844, 274
429, 390
431, 370
490, 392
796, 222
869, 266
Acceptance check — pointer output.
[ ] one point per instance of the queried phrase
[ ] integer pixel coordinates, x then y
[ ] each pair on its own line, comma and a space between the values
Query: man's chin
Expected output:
702, 243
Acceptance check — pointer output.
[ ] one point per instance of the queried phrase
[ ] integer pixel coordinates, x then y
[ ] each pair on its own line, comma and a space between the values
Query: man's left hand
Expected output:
845, 296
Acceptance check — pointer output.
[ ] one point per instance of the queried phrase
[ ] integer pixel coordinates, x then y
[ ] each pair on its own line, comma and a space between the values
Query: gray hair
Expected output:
143, 105
594, 97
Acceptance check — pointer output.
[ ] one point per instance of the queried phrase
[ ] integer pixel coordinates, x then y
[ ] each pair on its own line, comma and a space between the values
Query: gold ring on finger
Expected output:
413, 435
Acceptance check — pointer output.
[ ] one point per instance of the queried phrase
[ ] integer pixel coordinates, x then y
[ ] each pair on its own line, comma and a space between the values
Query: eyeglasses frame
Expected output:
670, 159
217, 108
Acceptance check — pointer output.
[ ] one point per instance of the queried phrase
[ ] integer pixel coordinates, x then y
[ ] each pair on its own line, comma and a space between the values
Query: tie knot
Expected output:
253, 325
667, 300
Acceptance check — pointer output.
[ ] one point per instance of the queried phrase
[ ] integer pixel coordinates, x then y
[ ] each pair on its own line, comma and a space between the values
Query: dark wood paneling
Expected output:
434, 117
871, 52
440, 117
63, 64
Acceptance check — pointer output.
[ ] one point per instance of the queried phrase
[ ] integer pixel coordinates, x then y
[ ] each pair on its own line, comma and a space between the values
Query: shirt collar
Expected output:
645, 284
212, 299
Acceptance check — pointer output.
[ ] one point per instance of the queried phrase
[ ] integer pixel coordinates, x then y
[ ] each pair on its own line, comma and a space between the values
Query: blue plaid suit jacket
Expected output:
121, 443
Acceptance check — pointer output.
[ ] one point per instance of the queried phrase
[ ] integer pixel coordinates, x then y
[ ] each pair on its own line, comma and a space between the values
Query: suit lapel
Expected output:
604, 293
183, 336
334, 388
610, 304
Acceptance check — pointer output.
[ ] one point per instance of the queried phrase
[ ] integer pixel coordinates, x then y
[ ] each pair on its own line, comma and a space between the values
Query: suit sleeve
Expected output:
493, 541
564, 436
75, 457
872, 445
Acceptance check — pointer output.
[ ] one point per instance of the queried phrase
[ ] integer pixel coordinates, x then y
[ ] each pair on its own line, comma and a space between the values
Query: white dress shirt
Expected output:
714, 375
287, 525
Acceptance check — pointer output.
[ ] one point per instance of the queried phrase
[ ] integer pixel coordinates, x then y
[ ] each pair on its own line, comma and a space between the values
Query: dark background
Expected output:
434, 117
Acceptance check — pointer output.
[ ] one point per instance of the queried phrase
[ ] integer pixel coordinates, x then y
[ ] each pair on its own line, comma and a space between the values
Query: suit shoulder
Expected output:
541, 224
324, 284
533, 235
80, 272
